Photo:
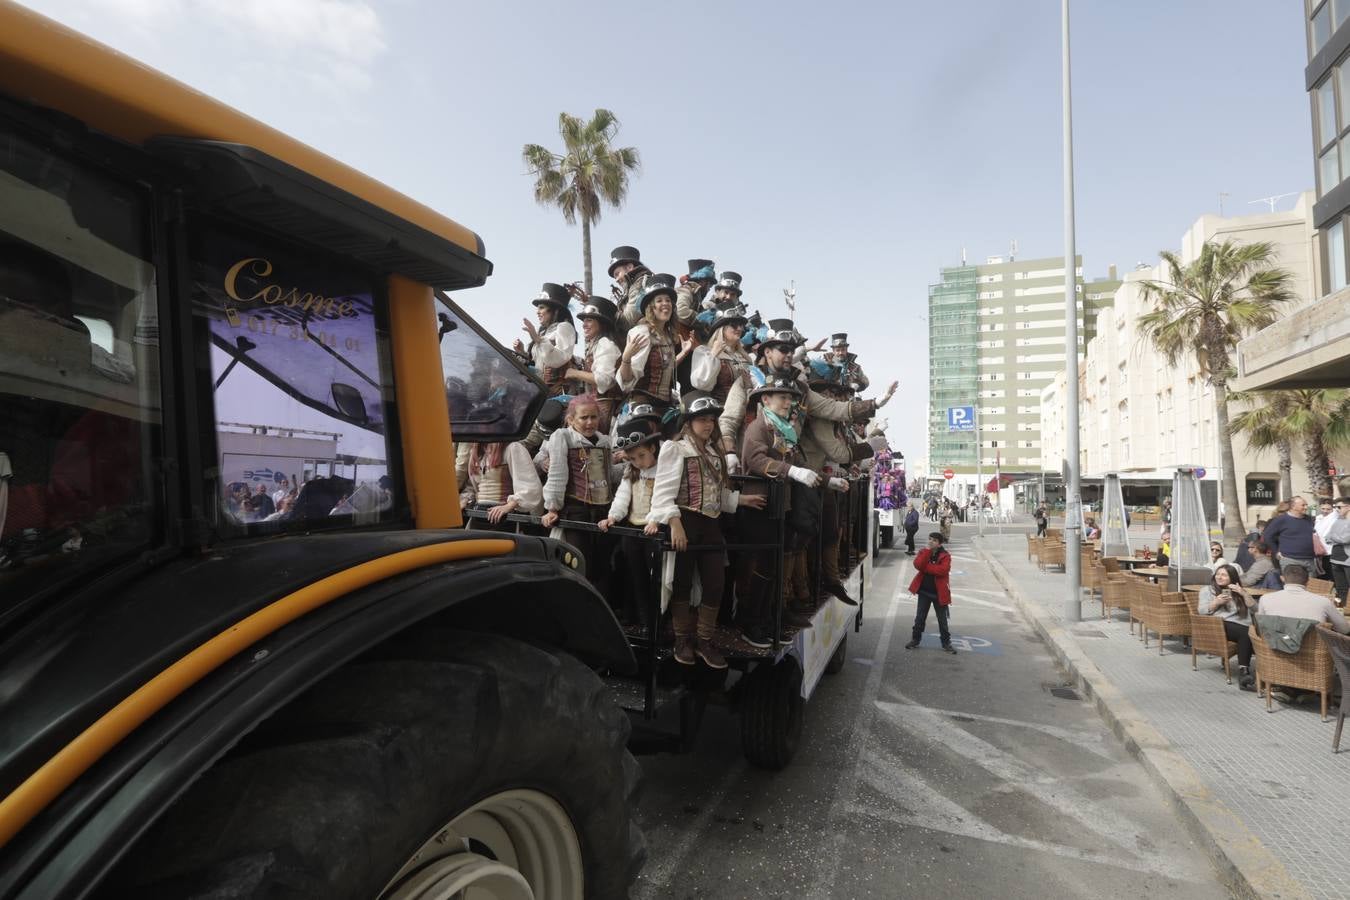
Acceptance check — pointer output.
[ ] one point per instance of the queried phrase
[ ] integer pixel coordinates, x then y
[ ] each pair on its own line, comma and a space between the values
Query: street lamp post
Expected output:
1072, 501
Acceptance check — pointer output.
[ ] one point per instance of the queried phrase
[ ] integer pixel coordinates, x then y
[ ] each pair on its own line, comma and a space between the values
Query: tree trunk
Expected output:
1315, 458
1234, 530
586, 251
1286, 454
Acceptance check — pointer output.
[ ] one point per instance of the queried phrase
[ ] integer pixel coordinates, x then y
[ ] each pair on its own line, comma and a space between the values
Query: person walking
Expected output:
911, 526
1042, 521
932, 567
1291, 535
1338, 543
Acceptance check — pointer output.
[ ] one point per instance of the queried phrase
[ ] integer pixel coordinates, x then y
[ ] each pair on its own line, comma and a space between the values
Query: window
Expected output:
1336, 254
1326, 113
1343, 79
1328, 171
491, 396
1321, 27
300, 363
79, 377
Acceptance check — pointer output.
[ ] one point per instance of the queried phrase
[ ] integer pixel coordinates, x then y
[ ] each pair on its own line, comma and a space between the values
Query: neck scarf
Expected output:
784, 427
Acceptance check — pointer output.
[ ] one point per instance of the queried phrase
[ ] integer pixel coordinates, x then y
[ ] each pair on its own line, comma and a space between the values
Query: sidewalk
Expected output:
1263, 790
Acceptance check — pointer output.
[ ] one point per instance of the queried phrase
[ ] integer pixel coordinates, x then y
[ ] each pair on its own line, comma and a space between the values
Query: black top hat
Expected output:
623, 255
730, 313
698, 403
633, 432
599, 308
754, 321
730, 281
778, 381
782, 331
696, 265
552, 295
551, 415
635, 411
839, 340
656, 286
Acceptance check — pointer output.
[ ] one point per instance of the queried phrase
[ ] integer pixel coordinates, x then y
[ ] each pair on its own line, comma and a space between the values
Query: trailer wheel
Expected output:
836, 663
452, 762
772, 714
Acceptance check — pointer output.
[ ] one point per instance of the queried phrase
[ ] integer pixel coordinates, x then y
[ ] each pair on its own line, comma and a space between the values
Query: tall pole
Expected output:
979, 470
1073, 533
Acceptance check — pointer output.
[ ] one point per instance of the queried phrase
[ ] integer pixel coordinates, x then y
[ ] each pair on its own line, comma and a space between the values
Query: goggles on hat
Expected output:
779, 337
730, 284
591, 309
703, 405
641, 409
632, 439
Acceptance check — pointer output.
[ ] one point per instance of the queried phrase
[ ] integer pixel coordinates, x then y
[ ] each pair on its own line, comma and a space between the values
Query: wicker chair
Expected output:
1147, 597
1116, 594
1320, 587
1309, 669
1338, 645
1052, 554
1033, 545
1172, 617
1055, 534
1092, 575
1111, 565
1208, 636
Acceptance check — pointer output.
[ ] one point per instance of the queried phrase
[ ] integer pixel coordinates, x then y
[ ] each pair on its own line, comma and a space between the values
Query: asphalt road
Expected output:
972, 775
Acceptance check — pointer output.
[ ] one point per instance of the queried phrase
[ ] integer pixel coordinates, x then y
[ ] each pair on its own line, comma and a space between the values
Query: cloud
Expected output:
332, 45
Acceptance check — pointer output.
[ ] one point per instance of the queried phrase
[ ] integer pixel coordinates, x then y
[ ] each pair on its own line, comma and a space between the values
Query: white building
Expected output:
1142, 418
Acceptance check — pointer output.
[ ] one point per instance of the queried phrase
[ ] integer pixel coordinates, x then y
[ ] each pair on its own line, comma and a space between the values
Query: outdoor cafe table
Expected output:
1249, 591
1151, 571
1132, 560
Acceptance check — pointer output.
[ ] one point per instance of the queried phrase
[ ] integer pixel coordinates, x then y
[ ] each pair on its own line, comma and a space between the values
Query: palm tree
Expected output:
586, 175
1308, 418
1204, 308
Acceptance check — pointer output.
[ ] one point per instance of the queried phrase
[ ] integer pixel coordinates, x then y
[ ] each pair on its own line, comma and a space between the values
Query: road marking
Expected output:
927, 808
845, 785
1086, 740
1054, 791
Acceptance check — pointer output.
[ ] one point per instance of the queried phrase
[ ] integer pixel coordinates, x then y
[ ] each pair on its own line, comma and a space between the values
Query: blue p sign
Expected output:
960, 418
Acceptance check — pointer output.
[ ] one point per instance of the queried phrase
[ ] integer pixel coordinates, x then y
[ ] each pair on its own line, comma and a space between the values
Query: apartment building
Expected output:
996, 339
1142, 418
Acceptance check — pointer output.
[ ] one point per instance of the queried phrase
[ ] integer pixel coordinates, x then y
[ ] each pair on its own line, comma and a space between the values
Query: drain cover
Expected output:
1064, 693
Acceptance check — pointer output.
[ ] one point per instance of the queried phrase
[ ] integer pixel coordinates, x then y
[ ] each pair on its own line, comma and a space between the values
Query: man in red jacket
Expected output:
931, 568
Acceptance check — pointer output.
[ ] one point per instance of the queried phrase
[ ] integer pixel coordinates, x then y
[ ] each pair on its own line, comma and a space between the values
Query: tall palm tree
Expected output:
586, 175
1308, 418
1204, 308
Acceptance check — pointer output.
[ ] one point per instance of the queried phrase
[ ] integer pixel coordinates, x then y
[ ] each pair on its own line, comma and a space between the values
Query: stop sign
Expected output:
948, 474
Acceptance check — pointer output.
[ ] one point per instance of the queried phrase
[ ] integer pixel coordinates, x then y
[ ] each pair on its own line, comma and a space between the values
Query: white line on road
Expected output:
1087, 740
656, 880
845, 787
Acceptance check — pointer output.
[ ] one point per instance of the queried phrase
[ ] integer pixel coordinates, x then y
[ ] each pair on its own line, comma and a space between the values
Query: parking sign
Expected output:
960, 418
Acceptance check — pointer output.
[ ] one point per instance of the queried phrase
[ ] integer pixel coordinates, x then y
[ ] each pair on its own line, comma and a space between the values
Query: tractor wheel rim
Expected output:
514, 845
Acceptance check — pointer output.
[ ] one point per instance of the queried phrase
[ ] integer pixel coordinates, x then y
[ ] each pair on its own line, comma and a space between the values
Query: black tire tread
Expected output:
341, 786
769, 732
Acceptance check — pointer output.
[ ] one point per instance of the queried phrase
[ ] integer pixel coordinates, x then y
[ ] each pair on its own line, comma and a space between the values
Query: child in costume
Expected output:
692, 491
502, 479
639, 437
578, 488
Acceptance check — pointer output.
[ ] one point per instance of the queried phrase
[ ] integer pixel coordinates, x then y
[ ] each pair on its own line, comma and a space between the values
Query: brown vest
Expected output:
701, 487
494, 484
588, 475
640, 506
659, 375
726, 377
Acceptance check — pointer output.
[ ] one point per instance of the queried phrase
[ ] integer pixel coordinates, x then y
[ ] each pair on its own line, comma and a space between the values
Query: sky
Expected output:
851, 149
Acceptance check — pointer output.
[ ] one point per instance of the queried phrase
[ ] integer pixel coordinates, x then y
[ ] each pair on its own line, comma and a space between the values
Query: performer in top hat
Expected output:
728, 287
630, 276
647, 365
853, 372
692, 295
722, 368
552, 343
599, 374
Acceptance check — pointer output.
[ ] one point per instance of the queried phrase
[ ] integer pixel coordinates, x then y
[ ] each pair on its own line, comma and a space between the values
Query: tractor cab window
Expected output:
492, 396
79, 384
300, 368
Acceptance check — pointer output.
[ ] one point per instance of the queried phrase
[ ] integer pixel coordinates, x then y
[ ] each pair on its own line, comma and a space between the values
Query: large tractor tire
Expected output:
447, 761
772, 714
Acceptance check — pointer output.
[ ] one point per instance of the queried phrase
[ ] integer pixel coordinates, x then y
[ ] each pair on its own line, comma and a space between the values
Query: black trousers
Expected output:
1340, 575
1240, 635
909, 537
921, 618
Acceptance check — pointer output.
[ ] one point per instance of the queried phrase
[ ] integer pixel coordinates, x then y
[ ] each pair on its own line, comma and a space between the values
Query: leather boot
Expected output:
682, 618
707, 627
829, 582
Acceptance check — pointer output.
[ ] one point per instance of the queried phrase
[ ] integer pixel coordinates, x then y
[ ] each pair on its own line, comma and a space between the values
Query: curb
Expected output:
1246, 865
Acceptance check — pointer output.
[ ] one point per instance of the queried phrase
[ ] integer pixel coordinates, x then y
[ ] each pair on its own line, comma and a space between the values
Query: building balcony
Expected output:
1309, 348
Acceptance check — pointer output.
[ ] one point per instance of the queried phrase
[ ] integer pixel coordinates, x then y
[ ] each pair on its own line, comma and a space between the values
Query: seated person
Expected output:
1262, 565
1216, 558
1295, 601
1164, 547
1224, 597
1090, 530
